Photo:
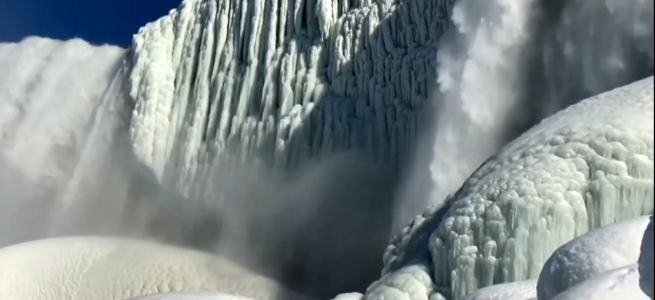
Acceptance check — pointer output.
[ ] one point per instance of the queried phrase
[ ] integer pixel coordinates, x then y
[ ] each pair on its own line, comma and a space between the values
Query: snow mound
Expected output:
507, 291
587, 166
190, 296
96, 268
349, 296
618, 284
591, 254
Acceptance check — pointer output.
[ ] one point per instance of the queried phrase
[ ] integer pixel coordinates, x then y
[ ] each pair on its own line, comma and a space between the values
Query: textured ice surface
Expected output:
587, 256
191, 296
617, 284
521, 290
646, 280
95, 268
587, 166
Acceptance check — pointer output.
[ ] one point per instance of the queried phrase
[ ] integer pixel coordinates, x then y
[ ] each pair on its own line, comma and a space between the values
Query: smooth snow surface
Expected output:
349, 296
95, 268
591, 254
587, 166
617, 284
646, 280
191, 296
521, 290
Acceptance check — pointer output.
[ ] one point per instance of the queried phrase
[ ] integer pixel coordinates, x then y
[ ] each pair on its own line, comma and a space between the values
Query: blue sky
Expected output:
97, 21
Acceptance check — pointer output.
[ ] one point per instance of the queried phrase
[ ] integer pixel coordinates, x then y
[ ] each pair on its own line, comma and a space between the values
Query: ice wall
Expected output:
49, 92
287, 80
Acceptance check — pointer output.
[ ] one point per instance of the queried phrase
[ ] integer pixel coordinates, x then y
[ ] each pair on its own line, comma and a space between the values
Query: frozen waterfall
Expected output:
248, 127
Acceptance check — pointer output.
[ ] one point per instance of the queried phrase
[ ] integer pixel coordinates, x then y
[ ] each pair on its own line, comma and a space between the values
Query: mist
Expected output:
505, 65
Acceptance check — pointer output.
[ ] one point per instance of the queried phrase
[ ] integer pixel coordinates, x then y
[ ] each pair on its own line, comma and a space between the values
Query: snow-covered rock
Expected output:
587, 166
617, 284
591, 254
97, 268
646, 280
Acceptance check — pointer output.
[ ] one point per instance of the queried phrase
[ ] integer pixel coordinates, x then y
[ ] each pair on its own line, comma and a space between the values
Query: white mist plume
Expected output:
504, 65
321, 229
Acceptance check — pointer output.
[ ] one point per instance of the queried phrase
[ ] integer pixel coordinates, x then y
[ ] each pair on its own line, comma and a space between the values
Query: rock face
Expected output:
646, 260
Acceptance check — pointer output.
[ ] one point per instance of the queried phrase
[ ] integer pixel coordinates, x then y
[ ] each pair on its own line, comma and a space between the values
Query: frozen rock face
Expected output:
288, 80
621, 283
95, 268
646, 260
522, 290
587, 166
591, 254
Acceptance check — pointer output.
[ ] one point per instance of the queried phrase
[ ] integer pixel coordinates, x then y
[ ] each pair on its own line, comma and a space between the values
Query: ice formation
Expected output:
587, 256
287, 80
96, 268
521, 290
646, 281
621, 283
587, 166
